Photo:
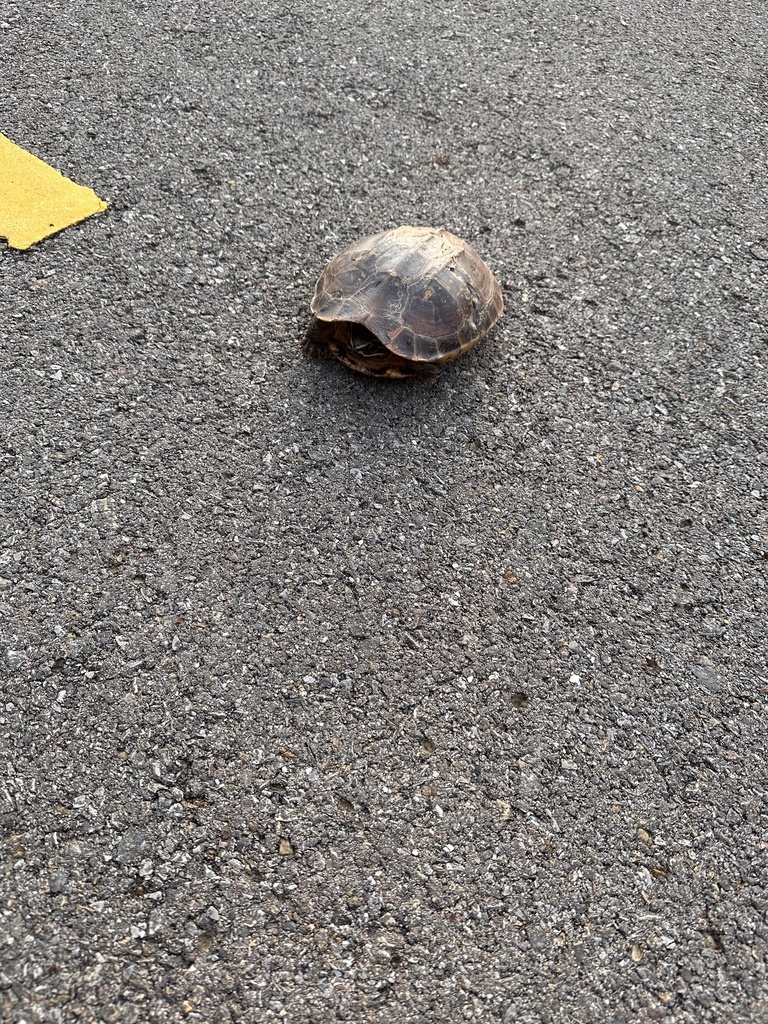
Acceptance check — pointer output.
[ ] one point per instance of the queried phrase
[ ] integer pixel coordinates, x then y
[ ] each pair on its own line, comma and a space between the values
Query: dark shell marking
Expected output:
423, 294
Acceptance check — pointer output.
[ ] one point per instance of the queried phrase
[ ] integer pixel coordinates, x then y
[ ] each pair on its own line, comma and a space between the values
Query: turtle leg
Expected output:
361, 351
314, 344
366, 354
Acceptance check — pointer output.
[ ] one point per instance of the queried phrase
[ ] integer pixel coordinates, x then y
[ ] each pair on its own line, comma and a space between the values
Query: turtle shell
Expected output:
426, 295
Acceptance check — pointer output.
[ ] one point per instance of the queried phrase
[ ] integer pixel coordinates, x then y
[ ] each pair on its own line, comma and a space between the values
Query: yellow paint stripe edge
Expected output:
36, 200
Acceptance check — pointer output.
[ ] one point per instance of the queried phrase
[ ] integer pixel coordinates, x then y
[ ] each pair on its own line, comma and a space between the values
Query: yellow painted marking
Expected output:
35, 200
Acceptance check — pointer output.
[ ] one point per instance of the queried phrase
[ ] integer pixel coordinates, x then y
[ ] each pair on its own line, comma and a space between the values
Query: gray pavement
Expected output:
328, 699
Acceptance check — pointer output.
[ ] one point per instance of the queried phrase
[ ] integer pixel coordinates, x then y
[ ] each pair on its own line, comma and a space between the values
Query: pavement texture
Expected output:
332, 699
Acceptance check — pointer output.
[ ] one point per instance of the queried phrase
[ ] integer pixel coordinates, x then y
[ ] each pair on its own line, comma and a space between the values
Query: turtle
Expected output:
401, 302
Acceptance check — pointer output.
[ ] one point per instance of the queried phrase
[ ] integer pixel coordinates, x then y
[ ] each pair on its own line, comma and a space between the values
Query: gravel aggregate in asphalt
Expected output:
325, 698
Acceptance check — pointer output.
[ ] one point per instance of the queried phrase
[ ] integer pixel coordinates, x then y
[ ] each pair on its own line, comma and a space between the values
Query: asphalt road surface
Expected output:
328, 699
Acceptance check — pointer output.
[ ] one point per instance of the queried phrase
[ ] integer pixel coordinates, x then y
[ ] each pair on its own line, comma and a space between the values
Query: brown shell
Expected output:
426, 295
